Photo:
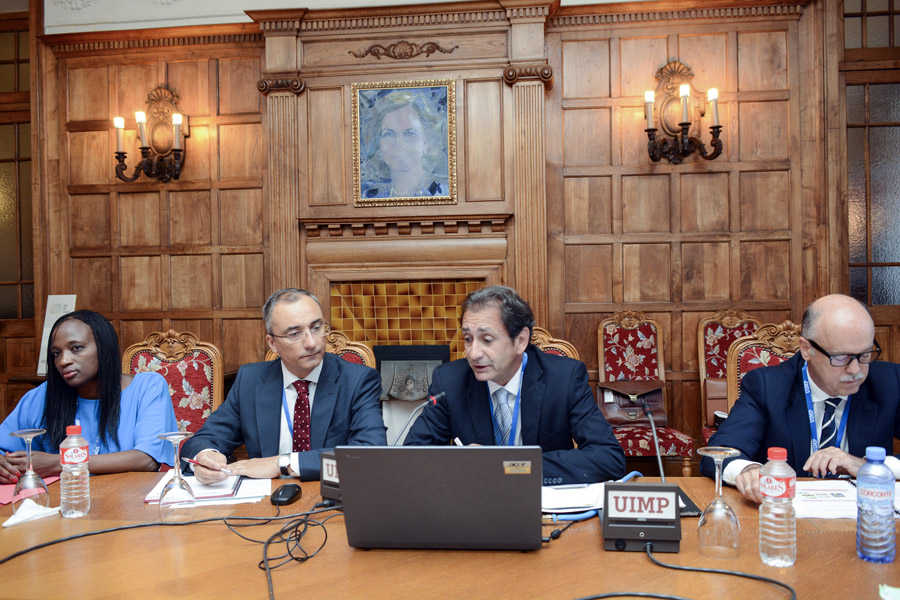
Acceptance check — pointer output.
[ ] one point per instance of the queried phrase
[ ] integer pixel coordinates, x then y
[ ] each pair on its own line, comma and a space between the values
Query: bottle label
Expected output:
73, 456
875, 494
777, 487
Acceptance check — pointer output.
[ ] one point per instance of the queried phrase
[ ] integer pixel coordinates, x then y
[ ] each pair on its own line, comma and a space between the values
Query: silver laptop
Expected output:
441, 497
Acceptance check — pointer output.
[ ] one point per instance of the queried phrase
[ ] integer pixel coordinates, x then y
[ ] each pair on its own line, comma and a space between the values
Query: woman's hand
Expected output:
43, 463
9, 473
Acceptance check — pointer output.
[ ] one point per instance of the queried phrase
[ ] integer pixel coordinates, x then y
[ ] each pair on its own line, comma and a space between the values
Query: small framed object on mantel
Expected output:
404, 143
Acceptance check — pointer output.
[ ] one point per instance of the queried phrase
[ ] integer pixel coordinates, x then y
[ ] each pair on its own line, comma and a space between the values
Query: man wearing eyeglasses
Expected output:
824, 405
288, 410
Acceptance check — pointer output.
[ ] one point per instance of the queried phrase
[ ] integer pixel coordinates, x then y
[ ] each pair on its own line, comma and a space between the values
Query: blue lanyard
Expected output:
287, 415
812, 415
515, 416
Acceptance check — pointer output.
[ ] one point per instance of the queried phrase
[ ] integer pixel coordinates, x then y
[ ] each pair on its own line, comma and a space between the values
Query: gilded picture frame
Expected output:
404, 143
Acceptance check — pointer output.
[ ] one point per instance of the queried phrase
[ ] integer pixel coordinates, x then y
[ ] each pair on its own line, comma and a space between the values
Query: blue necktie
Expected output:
502, 417
828, 425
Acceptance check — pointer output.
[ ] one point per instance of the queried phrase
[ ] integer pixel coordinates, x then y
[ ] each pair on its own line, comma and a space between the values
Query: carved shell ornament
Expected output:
672, 75
403, 50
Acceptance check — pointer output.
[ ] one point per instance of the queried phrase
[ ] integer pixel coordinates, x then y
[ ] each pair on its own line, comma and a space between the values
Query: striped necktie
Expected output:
828, 425
502, 416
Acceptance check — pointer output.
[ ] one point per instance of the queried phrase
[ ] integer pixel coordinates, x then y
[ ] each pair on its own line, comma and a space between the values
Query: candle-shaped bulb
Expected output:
685, 91
141, 119
648, 108
713, 95
119, 123
176, 124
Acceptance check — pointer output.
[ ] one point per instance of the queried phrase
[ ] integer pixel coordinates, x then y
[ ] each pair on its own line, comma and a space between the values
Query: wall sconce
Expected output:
162, 139
676, 144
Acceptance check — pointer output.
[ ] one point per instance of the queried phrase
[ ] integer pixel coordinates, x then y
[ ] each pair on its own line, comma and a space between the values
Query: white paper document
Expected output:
571, 498
831, 499
222, 492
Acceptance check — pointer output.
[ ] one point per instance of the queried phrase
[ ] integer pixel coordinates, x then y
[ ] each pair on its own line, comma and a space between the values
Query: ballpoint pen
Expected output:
195, 462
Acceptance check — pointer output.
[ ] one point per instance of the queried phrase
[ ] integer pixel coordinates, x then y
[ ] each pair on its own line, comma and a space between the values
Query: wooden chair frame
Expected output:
783, 339
173, 345
541, 338
337, 342
730, 319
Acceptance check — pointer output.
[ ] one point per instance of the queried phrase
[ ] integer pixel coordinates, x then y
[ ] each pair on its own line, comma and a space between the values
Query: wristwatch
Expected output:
284, 463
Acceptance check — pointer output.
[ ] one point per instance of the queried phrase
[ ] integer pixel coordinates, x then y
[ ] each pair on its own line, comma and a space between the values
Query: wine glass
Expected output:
719, 528
30, 484
177, 498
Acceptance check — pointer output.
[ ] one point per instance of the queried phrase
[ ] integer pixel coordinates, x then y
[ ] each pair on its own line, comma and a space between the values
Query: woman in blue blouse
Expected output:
120, 415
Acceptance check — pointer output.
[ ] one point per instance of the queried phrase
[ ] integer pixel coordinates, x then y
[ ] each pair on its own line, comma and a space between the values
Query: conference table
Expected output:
207, 560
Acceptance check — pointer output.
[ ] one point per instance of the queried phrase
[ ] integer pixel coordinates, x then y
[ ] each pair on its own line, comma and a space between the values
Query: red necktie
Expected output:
301, 416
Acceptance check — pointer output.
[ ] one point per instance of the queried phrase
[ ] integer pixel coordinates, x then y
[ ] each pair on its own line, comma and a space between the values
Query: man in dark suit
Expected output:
854, 402
507, 392
288, 410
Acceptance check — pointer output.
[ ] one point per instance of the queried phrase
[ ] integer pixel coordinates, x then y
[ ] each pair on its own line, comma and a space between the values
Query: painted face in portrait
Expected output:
402, 141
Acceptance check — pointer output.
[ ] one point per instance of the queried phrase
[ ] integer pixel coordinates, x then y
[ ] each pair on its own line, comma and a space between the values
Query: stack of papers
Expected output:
562, 499
831, 499
233, 490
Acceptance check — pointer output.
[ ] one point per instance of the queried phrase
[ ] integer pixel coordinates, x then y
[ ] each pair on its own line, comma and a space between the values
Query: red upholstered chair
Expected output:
338, 343
192, 368
541, 338
770, 345
630, 346
715, 335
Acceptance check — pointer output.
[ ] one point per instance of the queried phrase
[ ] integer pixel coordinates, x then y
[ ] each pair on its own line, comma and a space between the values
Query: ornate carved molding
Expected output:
543, 72
281, 84
350, 228
381, 22
233, 39
563, 21
403, 50
528, 13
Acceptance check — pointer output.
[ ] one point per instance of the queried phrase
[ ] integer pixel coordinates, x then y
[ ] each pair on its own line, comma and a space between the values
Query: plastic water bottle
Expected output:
875, 538
777, 519
75, 480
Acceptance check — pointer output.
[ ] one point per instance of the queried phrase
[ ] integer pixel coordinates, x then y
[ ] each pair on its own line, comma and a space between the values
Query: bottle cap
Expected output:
73, 430
875, 453
776, 453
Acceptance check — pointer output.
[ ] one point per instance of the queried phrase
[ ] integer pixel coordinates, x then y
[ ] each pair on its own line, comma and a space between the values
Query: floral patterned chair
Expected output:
630, 347
771, 345
192, 368
715, 334
336, 342
540, 337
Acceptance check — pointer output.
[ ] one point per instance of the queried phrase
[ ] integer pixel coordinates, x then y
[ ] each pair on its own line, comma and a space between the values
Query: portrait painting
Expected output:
404, 143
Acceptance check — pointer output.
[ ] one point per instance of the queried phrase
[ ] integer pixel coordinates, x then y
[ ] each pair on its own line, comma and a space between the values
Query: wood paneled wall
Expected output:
189, 254
557, 195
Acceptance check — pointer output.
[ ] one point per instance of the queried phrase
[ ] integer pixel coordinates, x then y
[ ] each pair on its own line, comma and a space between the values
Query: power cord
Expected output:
648, 547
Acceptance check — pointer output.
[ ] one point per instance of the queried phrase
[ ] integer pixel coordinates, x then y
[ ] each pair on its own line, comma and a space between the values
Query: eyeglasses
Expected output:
294, 335
842, 360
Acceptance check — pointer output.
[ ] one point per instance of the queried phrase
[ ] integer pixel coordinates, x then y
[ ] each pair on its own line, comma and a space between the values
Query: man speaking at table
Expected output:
288, 410
508, 392
824, 405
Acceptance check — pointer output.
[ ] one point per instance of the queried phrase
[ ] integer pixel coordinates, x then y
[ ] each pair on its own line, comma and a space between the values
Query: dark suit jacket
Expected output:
557, 405
346, 411
771, 411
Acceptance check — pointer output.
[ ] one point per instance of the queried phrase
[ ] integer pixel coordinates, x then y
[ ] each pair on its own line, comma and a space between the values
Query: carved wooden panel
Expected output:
764, 198
87, 151
139, 219
199, 166
243, 283
141, 282
765, 270
326, 184
582, 58
245, 341
587, 136
588, 204
708, 56
763, 130
89, 221
93, 103
237, 77
484, 141
239, 151
190, 218
190, 78
190, 282
245, 228
94, 277
762, 61
639, 59
645, 204
647, 276
704, 202
705, 273
588, 270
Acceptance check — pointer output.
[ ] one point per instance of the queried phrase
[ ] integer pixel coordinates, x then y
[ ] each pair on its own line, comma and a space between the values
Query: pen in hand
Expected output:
196, 462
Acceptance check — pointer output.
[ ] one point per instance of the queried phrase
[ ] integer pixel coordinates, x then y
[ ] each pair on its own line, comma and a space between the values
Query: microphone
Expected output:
649, 413
432, 400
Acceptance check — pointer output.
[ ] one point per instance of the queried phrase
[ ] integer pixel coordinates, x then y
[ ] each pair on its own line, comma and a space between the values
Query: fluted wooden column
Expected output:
283, 185
531, 197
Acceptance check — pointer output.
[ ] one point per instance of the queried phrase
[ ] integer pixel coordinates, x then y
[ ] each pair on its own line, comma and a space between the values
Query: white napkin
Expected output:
29, 510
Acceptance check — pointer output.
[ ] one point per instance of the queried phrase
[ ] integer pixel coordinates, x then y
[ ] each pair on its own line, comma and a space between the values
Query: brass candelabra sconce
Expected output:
676, 143
161, 138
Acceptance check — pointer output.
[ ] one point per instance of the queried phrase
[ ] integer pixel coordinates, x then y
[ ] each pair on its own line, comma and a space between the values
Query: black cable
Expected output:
633, 595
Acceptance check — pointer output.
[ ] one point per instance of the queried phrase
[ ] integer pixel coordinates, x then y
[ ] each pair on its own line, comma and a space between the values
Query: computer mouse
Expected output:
286, 494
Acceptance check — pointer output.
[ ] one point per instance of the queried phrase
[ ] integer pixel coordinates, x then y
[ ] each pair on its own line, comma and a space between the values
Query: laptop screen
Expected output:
441, 497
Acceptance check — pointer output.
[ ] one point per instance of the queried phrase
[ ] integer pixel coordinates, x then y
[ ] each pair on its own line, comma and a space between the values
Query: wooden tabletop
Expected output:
209, 561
